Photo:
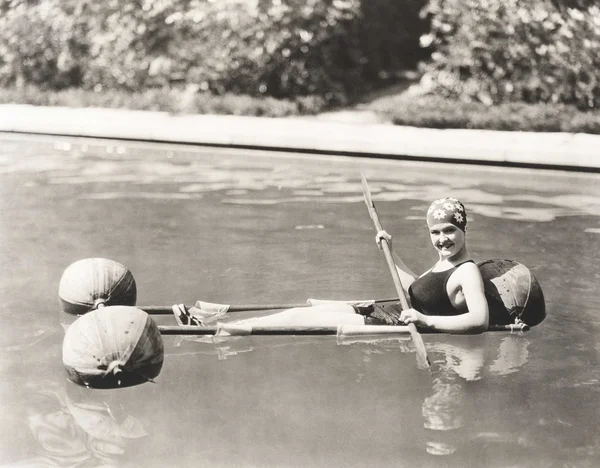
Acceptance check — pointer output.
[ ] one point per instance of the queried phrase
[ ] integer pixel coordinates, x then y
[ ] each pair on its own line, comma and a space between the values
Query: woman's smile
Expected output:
447, 239
445, 246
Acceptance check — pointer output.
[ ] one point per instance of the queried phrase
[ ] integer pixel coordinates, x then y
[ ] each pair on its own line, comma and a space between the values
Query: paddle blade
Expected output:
367, 194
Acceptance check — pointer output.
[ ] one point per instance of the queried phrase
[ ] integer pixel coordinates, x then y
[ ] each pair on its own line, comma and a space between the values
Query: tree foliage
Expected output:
491, 51
532, 51
282, 48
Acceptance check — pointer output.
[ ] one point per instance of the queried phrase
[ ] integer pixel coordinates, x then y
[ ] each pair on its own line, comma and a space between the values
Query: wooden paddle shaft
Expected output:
414, 333
392, 266
421, 350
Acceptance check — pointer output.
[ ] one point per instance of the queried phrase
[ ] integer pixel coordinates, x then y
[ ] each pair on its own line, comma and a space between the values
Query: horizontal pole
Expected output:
355, 330
243, 330
167, 310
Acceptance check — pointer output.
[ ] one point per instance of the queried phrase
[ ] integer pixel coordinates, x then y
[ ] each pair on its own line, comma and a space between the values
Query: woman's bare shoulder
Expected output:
468, 270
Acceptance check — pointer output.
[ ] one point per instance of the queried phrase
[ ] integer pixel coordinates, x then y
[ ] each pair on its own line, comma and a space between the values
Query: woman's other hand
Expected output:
414, 316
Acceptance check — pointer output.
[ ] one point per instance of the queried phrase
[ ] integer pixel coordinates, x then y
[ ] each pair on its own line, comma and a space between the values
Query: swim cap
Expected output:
447, 210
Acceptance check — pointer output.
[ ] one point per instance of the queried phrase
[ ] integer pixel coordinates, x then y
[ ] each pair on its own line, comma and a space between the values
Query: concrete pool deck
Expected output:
345, 133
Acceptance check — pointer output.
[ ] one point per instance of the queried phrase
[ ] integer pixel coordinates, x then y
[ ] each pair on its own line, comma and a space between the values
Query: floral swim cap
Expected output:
447, 210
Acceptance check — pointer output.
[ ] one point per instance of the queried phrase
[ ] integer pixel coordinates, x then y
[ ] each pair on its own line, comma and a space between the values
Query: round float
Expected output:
512, 292
89, 283
112, 347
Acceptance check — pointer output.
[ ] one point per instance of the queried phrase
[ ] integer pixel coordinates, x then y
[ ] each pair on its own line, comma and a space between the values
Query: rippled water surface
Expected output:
243, 227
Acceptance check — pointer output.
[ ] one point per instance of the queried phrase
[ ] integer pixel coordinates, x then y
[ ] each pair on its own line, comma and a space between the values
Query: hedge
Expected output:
534, 51
336, 49
333, 51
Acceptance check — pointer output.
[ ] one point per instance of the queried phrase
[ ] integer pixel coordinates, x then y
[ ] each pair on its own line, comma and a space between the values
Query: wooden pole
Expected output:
422, 358
167, 310
354, 330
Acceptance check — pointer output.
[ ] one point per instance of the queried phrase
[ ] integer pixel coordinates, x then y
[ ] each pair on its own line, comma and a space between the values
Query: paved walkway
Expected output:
353, 133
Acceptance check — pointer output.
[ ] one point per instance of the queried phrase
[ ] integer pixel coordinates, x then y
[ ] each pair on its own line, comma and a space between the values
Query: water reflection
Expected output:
457, 364
79, 427
226, 347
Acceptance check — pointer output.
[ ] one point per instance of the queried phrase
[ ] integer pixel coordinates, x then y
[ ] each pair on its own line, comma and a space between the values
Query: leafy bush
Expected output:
166, 100
439, 112
403, 109
514, 50
39, 45
335, 49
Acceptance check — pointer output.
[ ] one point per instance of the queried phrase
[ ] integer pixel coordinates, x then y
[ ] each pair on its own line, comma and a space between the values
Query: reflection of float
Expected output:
78, 427
60, 440
103, 417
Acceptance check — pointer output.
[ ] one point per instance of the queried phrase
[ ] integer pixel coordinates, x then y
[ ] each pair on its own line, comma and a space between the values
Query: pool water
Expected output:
246, 227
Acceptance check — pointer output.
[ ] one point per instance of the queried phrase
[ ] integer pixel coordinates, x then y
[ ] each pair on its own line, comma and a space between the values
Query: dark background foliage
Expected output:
492, 51
333, 48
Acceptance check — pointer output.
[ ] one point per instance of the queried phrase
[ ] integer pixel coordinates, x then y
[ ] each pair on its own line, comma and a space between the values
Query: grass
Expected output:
435, 112
395, 105
174, 101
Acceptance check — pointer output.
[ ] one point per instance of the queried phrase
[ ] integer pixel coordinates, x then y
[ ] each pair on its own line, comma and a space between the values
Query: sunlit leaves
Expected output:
283, 48
516, 50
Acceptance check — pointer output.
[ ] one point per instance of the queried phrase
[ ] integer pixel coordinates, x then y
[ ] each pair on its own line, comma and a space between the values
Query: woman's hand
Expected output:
414, 316
381, 235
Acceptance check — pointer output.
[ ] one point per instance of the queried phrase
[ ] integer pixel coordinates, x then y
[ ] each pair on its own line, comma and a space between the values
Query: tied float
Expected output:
114, 344
111, 343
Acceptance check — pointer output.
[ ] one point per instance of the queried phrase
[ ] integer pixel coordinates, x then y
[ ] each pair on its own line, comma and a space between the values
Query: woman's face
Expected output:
447, 239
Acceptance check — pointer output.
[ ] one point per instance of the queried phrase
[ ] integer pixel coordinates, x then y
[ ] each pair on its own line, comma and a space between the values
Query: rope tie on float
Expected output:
116, 367
518, 326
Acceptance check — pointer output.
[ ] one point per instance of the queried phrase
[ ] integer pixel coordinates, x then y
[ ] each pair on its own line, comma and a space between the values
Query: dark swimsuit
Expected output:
427, 295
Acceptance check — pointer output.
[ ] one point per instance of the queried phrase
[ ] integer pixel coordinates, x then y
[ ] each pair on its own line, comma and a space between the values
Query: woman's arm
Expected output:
475, 320
407, 276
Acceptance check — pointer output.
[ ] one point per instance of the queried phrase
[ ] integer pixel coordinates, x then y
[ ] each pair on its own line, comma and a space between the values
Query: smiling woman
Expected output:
457, 295
454, 284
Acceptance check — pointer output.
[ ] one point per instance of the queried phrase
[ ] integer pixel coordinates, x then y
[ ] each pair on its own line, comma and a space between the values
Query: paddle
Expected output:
422, 358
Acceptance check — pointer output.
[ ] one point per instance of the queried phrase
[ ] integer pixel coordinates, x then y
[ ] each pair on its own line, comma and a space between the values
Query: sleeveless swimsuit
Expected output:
428, 293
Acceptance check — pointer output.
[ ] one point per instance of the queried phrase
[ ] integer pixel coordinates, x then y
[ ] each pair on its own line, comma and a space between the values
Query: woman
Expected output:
449, 297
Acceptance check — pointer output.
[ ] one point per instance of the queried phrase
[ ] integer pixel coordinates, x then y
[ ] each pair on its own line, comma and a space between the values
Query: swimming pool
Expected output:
238, 227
